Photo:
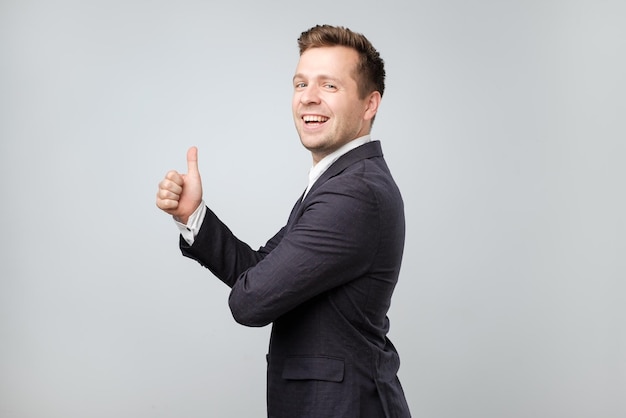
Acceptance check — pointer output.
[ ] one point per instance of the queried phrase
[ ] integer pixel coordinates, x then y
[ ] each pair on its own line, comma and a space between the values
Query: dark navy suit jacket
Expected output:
325, 281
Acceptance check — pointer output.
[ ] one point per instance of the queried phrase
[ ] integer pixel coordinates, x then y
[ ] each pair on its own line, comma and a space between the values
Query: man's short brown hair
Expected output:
370, 71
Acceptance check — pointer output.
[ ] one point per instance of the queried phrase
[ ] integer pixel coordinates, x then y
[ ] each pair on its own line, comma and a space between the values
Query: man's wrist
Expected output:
191, 227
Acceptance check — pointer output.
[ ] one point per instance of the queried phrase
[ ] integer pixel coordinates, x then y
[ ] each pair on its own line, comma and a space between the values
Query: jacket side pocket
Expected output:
314, 368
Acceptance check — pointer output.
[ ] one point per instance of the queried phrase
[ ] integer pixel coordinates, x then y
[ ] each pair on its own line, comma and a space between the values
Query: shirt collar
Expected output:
318, 169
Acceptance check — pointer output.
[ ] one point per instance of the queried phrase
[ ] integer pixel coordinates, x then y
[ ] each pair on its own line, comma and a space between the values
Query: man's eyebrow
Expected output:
318, 77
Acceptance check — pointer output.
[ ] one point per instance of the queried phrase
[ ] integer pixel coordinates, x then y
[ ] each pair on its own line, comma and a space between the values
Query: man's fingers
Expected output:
175, 177
192, 161
165, 194
166, 204
169, 191
172, 184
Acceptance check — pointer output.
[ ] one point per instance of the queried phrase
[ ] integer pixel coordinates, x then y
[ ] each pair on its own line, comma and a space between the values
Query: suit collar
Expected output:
368, 150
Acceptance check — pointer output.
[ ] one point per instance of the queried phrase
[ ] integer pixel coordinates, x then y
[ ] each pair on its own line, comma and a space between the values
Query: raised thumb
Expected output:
192, 161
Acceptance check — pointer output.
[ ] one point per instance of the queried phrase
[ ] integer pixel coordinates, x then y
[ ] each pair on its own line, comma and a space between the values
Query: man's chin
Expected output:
311, 143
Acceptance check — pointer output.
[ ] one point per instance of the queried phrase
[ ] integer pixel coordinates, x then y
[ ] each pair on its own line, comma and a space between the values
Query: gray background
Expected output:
503, 123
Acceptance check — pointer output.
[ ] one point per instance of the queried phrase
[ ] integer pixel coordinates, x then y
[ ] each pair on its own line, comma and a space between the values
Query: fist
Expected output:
180, 194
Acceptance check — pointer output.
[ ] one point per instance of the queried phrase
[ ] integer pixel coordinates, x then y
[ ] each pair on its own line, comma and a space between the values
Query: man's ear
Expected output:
373, 101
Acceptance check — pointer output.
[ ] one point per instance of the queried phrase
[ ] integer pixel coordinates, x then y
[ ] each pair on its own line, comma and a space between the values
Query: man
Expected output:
325, 280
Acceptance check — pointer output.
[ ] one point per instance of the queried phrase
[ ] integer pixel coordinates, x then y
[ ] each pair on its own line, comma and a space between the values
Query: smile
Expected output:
314, 119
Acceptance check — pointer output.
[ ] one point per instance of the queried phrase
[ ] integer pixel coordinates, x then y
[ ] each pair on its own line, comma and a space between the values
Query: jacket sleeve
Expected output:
219, 250
332, 243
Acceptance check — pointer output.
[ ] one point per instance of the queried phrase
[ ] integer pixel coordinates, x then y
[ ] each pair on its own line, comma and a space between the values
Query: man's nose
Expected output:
310, 95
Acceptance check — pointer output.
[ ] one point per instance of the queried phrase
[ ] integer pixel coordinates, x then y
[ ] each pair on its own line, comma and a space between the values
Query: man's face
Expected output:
327, 110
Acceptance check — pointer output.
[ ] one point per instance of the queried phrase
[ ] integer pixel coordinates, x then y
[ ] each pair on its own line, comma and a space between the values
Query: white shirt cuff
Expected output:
190, 231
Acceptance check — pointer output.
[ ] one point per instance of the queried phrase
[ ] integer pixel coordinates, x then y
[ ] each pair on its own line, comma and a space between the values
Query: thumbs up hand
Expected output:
181, 194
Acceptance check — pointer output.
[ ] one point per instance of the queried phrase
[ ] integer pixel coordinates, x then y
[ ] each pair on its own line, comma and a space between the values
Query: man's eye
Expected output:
331, 86
300, 85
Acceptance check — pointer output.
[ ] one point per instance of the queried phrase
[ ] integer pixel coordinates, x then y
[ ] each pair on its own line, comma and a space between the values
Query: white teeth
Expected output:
314, 118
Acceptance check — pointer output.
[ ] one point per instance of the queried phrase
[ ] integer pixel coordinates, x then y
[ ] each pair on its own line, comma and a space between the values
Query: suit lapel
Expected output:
295, 212
368, 150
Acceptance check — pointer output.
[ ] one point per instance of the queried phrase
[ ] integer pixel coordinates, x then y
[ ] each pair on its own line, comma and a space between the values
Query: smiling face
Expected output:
327, 109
